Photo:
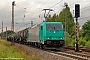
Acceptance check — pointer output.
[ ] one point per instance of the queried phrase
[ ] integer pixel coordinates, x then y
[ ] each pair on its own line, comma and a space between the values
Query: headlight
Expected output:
54, 32
48, 38
61, 38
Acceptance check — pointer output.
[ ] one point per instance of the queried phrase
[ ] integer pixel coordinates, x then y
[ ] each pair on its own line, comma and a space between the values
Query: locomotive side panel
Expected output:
34, 34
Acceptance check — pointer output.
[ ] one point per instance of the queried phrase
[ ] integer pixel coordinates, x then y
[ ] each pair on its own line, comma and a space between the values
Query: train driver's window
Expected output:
41, 28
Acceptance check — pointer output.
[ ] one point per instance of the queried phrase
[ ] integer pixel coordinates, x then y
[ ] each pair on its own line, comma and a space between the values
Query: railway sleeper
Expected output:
72, 56
79, 54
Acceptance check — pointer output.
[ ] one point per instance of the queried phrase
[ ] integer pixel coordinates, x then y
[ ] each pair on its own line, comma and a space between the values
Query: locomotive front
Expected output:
53, 34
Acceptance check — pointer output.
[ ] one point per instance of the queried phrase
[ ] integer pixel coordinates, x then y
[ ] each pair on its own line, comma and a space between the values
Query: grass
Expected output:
11, 52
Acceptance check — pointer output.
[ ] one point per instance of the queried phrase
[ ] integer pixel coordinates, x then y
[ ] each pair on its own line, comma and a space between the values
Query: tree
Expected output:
61, 18
53, 18
70, 33
70, 19
9, 32
86, 30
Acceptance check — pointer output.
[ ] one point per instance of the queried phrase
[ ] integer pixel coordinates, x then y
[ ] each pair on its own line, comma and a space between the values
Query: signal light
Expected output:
77, 10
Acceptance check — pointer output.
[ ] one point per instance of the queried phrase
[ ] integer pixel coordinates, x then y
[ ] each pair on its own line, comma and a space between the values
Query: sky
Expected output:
26, 11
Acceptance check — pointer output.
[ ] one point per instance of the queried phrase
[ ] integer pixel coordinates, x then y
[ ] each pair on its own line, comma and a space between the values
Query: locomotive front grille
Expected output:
55, 43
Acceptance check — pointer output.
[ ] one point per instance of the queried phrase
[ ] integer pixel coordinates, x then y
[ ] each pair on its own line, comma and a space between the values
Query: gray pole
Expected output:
31, 23
66, 20
67, 17
13, 3
2, 31
44, 15
6, 33
0, 35
24, 16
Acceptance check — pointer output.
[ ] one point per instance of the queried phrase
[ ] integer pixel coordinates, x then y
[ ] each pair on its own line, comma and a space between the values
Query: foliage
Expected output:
9, 32
70, 20
87, 43
86, 30
84, 34
8, 51
53, 18
70, 24
61, 18
70, 41
82, 41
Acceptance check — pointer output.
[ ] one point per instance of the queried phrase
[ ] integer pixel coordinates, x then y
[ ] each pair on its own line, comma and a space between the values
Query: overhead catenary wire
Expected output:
85, 8
56, 4
36, 8
80, 8
51, 6
84, 17
39, 8
84, 12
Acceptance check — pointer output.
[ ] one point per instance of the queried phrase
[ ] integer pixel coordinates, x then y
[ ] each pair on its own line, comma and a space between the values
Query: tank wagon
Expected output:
21, 36
44, 35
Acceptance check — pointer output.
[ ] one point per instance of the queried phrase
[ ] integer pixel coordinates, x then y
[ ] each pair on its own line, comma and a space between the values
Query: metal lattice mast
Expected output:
13, 4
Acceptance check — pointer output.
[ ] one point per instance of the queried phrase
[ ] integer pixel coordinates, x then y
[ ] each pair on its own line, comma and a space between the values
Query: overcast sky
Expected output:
32, 9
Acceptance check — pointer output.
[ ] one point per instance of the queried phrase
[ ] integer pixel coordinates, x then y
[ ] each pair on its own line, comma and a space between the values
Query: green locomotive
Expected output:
44, 35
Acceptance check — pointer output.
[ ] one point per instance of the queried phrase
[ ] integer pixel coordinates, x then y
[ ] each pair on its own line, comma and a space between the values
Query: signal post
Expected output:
77, 14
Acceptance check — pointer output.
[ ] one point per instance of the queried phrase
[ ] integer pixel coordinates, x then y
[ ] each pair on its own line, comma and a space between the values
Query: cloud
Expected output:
34, 9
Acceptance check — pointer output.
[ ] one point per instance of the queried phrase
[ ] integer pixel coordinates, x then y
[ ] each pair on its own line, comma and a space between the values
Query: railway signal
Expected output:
77, 10
77, 14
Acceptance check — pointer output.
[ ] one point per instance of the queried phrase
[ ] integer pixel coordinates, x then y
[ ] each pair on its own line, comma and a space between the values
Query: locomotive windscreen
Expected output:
53, 26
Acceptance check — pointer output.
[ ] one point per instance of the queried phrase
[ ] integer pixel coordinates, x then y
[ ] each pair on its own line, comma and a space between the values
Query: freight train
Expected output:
46, 35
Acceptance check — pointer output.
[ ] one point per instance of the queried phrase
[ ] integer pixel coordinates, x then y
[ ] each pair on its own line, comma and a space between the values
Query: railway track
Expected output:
71, 53
67, 53
79, 54
74, 55
85, 49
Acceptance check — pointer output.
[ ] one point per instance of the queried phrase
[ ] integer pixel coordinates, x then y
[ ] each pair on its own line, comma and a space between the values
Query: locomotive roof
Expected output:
51, 23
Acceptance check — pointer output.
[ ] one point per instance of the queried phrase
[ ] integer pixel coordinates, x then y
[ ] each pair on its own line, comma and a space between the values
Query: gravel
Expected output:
44, 54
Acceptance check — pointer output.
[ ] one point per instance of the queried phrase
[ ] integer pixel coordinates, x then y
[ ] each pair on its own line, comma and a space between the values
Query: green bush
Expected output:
87, 43
82, 41
8, 51
70, 41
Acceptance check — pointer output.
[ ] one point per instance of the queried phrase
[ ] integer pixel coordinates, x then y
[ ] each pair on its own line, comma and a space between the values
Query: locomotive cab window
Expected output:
41, 28
53, 26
